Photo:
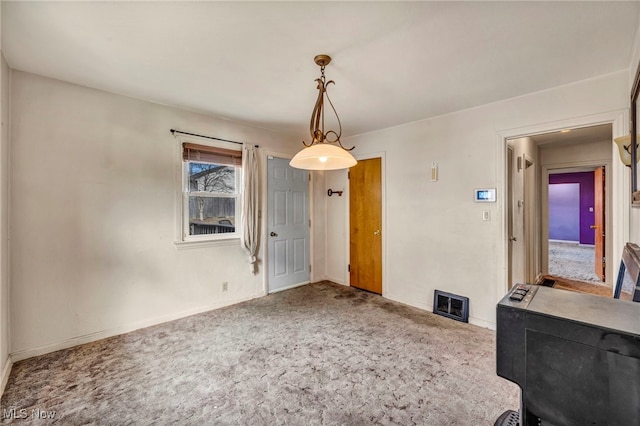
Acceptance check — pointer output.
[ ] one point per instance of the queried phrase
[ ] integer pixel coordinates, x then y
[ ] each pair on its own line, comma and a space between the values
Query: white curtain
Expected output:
250, 204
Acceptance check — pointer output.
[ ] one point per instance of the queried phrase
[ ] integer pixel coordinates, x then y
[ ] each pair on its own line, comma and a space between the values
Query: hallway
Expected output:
573, 261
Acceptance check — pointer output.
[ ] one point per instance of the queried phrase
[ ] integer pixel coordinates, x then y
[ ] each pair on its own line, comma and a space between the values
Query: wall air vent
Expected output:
451, 306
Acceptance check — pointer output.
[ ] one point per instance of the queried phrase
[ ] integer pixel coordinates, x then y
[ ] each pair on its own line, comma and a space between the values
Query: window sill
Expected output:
187, 245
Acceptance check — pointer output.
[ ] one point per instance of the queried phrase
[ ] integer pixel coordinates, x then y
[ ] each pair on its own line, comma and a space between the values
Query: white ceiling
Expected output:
252, 62
583, 135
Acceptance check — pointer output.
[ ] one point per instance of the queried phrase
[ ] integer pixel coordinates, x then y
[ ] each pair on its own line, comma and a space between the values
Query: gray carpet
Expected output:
321, 354
573, 261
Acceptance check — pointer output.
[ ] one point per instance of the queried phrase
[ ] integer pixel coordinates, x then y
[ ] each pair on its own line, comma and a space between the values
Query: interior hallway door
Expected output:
598, 226
516, 227
287, 225
510, 209
365, 223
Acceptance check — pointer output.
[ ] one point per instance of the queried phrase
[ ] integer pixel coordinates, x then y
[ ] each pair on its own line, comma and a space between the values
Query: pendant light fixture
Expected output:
325, 151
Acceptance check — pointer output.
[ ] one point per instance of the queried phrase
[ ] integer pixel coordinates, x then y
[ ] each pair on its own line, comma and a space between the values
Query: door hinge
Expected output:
348, 268
309, 268
309, 223
309, 177
349, 175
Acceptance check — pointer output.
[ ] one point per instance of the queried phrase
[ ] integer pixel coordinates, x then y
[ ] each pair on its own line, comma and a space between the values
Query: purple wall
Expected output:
564, 211
585, 179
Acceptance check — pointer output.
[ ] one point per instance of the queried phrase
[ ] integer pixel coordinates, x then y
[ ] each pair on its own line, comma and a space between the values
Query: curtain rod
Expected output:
174, 131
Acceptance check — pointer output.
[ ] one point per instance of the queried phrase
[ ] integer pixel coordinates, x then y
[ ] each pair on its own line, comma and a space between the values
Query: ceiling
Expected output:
252, 62
582, 135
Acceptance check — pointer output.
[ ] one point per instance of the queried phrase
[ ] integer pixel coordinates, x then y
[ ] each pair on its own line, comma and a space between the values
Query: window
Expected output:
210, 192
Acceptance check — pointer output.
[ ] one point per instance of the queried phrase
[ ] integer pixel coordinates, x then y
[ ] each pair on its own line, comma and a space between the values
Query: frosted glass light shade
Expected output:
323, 156
624, 142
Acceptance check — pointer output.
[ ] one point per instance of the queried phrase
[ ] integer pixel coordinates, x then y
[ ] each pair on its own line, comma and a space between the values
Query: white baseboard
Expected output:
482, 323
429, 308
337, 281
289, 287
6, 371
412, 303
103, 334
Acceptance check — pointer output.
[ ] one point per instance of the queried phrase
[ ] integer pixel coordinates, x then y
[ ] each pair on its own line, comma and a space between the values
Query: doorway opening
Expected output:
557, 230
576, 225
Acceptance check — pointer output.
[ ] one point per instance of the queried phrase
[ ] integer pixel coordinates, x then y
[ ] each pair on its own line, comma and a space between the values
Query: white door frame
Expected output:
620, 183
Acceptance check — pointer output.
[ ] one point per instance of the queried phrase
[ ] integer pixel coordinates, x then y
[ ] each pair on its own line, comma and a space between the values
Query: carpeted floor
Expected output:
320, 354
573, 261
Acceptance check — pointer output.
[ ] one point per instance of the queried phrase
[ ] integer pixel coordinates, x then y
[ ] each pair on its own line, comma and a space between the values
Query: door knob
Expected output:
376, 232
513, 239
594, 227
273, 234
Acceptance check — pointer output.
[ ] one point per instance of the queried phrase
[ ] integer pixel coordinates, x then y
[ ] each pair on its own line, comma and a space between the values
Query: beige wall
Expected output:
559, 156
434, 236
94, 187
5, 363
318, 226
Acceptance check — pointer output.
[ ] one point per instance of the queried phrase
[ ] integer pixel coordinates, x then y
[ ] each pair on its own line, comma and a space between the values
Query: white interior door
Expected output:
510, 208
288, 225
516, 227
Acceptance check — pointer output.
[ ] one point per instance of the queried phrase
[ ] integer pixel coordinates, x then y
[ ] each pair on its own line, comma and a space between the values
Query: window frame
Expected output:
186, 193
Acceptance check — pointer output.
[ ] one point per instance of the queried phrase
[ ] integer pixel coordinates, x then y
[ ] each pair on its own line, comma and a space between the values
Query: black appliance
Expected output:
576, 357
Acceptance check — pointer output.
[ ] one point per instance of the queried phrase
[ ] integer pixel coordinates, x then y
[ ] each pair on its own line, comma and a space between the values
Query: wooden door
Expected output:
365, 219
288, 225
598, 226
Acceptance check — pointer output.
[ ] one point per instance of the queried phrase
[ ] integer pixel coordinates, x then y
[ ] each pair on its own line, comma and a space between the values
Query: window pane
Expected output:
207, 177
211, 215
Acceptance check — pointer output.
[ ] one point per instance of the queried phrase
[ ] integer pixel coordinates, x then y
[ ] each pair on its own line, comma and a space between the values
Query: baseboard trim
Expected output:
289, 287
337, 281
332, 280
429, 308
103, 334
412, 303
6, 372
482, 323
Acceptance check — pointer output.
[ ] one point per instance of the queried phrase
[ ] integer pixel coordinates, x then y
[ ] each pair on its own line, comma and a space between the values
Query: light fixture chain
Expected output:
317, 122
324, 91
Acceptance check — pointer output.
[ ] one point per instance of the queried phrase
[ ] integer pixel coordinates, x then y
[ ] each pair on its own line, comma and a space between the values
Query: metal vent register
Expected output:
451, 306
